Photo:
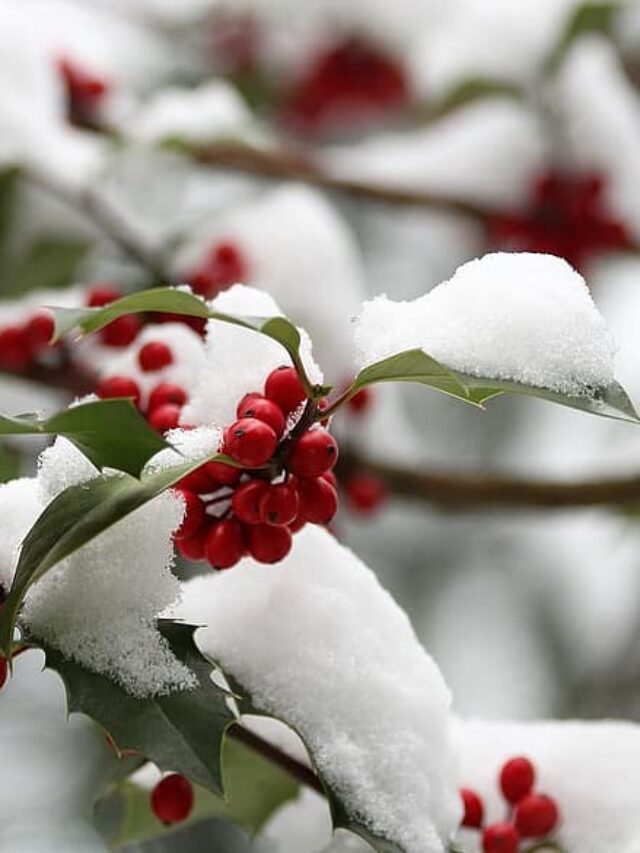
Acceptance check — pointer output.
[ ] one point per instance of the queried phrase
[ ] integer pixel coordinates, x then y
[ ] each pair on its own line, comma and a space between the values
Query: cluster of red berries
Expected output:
565, 216
172, 799
353, 80
22, 344
531, 815
85, 91
284, 483
221, 267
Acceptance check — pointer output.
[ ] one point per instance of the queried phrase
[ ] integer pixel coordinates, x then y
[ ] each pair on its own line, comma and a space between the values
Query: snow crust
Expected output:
592, 769
318, 643
98, 606
523, 317
238, 360
211, 111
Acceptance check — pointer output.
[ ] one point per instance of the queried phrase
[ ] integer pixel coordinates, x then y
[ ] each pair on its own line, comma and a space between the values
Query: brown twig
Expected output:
290, 765
292, 166
464, 492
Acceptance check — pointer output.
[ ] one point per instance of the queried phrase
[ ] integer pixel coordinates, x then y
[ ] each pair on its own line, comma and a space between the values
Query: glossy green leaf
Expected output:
76, 516
182, 731
254, 789
176, 301
48, 263
110, 433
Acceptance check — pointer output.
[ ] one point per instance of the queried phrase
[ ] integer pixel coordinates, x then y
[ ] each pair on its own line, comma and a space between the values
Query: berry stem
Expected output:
346, 395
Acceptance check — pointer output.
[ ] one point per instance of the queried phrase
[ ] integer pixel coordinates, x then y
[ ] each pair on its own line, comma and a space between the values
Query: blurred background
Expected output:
325, 152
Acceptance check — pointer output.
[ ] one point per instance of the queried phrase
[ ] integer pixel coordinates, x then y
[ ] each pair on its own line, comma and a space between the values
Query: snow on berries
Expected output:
172, 799
531, 815
281, 483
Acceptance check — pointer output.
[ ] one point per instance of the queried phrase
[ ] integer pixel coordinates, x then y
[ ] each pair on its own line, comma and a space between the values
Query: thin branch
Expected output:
289, 165
290, 765
463, 491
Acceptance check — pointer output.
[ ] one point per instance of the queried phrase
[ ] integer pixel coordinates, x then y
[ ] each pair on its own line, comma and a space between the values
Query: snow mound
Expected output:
523, 317
320, 644
238, 360
98, 607
19, 508
201, 115
596, 787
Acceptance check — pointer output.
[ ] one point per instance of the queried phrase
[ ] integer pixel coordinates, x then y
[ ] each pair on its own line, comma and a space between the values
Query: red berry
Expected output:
268, 544
516, 779
473, 808
198, 481
298, 523
15, 353
331, 478
250, 442
164, 418
100, 295
39, 330
167, 392
360, 402
536, 815
121, 332
318, 500
283, 386
225, 544
194, 514
500, 838
4, 669
223, 474
364, 492
154, 356
264, 410
314, 453
279, 504
192, 547
172, 799
246, 501
118, 386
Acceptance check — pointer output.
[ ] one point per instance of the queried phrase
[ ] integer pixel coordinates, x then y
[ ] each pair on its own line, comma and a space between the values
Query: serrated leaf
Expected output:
175, 301
590, 17
110, 433
254, 789
76, 516
182, 731
416, 366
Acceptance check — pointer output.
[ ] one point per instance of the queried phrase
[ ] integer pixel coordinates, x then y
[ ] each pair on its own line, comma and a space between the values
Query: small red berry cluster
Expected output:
566, 216
22, 344
172, 799
284, 483
222, 266
531, 814
85, 91
351, 81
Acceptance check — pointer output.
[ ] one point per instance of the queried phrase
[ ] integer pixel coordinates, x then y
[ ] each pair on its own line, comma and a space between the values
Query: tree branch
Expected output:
290, 765
290, 165
467, 492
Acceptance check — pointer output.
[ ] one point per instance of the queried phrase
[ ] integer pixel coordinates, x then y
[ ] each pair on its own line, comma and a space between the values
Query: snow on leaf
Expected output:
182, 731
110, 433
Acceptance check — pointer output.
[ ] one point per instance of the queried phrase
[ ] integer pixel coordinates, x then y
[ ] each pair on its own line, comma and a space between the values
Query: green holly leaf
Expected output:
182, 731
177, 301
590, 17
76, 516
254, 789
110, 433
49, 263
469, 91
416, 366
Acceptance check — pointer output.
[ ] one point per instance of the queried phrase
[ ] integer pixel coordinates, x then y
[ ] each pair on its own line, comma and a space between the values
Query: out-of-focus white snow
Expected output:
53, 767
318, 643
524, 317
